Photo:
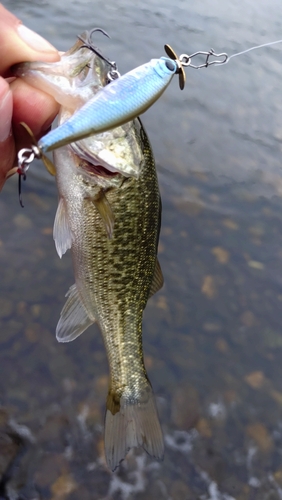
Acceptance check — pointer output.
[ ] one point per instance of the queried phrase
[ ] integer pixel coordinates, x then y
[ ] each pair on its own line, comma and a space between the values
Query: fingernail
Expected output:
6, 110
34, 40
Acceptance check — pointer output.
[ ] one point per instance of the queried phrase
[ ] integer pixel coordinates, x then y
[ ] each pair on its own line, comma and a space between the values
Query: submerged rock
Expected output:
13, 438
10, 444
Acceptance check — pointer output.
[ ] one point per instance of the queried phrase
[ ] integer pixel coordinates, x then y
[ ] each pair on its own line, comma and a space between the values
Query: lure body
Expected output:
119, 102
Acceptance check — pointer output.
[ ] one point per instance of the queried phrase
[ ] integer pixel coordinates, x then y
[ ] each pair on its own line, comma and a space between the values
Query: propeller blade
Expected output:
170, 52
30, 133
182, 76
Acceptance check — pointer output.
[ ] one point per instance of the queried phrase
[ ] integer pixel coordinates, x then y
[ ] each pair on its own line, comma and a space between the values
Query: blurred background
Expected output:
212, 335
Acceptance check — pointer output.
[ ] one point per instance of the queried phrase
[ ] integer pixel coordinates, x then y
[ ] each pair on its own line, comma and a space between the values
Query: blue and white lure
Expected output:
115, 104
123, 99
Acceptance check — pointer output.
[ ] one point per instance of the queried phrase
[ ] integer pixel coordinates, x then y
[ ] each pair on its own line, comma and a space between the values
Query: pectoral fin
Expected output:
158, 280
74, 318
61, 232
105, 211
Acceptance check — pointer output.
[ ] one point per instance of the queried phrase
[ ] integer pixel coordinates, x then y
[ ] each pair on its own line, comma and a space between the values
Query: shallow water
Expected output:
212, 335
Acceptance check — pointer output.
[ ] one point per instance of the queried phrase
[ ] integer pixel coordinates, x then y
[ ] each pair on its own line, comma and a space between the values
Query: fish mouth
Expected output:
97, 170
91, 164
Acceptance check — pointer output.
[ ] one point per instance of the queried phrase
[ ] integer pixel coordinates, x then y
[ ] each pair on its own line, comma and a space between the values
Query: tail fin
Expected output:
130, 422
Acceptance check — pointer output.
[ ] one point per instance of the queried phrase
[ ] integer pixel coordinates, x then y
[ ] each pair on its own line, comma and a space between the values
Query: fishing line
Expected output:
211, 57
252, 48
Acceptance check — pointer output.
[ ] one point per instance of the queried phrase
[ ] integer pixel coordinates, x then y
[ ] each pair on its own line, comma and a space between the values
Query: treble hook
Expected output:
20, 188
113, 74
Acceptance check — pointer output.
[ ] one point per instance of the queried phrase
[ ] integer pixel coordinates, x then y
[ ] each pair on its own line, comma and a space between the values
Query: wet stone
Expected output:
232, 485
22, 221
203, 427
278, 476
272, 338
248, 319
221, 255
48, 469
10, 443
222, 346
256, 380
230, 224
261, 436
54, 431
209, 287
180, 491
277, 396
9, 329
63, 486
212, 327
256, 265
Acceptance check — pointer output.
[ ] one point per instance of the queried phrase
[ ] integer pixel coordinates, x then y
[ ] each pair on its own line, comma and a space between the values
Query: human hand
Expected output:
18, 101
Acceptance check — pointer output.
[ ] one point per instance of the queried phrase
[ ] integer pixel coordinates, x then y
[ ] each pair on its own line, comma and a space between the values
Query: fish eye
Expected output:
170, 65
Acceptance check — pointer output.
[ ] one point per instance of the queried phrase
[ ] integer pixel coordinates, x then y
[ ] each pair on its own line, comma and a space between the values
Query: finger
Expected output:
18, 43
7, 145
34, 107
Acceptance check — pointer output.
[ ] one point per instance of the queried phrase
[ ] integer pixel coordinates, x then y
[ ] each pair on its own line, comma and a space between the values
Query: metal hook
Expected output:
186, 60
20, 188
113, 74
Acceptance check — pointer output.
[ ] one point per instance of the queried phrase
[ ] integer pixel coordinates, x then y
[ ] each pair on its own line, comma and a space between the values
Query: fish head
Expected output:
73, 80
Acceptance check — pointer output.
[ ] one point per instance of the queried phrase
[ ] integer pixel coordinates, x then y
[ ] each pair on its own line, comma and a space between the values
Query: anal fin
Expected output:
74, 318
158, 280
61, 232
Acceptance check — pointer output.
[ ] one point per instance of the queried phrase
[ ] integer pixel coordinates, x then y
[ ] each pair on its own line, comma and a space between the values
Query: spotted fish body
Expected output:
114, 278
110, 219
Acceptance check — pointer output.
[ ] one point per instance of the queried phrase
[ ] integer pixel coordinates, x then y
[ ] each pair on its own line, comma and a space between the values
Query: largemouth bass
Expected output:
109, 215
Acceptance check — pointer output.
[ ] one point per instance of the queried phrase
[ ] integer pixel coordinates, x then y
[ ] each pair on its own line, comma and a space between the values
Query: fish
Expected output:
115, 104
109, 216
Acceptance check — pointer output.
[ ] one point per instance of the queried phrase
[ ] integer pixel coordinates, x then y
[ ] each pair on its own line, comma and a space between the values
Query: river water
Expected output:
212, 335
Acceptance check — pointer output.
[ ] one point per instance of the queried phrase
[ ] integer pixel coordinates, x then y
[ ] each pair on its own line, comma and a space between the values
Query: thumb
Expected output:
7, 145
18, 43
